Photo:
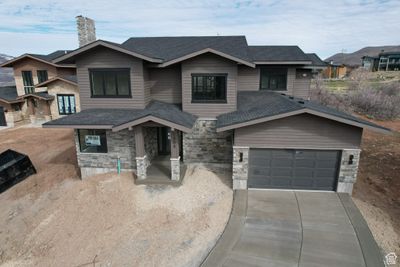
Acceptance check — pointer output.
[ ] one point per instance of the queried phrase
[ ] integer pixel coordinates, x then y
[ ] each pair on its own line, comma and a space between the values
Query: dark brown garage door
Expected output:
293, 169
2, 117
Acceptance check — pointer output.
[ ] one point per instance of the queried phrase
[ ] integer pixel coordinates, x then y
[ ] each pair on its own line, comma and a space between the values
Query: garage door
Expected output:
2, 117
293, 169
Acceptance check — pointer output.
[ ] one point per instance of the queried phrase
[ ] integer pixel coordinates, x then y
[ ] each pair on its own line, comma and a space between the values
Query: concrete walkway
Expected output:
294, 228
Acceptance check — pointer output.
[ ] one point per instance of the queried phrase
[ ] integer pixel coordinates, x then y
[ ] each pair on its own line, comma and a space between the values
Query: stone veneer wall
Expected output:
120, 144
205, 145
348, 172
240, 169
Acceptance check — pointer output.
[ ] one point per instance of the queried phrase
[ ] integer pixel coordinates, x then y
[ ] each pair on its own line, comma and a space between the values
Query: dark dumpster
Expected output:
14, 168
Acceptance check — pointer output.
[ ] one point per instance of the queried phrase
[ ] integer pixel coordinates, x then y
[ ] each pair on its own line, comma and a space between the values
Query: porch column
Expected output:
31, 108
141, 158
175, 158
47, 111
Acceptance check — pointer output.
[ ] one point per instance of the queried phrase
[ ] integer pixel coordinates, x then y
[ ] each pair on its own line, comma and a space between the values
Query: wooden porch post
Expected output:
47, 111
31, 108
174, 143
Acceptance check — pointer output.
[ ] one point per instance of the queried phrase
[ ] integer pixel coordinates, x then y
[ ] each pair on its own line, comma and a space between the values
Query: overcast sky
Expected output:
324, 27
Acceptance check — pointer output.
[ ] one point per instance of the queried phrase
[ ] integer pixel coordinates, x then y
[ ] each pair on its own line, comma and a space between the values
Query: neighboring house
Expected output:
385, 61
44, 89
33, 74
336, 70
166, 101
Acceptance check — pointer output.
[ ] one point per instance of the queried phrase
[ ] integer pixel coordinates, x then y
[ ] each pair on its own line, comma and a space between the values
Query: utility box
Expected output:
14, 168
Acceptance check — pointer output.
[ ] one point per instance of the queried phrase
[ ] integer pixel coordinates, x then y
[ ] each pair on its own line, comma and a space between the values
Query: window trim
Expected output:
212, 101
38, 76
80, 145
272, 68
91, 70
58, 104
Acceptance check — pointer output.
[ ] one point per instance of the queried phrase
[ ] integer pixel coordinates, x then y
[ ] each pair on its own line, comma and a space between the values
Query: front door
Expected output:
164, 140
2, 117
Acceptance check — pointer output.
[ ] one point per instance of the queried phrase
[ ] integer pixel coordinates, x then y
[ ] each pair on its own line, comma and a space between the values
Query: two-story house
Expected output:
150, 105
43, 90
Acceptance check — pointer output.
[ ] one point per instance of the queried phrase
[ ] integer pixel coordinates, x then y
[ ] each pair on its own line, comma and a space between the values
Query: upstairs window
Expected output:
110, 82
209, 88
28, 82
273, 79
42, 76
92, 141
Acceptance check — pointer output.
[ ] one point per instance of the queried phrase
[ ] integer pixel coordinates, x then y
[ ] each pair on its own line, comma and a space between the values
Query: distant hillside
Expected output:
354, 59
6, 74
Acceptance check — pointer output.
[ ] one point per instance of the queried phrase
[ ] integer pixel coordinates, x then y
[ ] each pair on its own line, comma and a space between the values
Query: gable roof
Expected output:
107, 44
42, 58
9, 94
260, 106
68, 79
278, 55
118, 119
316, 60
181, 47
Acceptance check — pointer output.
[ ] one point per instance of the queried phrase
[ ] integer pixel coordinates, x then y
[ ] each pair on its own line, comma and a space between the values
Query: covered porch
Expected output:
158, 154
38, 106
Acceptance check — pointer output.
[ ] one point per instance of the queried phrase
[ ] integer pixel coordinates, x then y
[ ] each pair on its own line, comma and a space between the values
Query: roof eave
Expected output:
302, 111
151, 118
53, 80
107, 45
76, 126
10, 63
278, 62
207, 50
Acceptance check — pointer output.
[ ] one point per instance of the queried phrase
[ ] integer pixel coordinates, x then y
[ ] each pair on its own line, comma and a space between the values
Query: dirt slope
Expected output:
55, 219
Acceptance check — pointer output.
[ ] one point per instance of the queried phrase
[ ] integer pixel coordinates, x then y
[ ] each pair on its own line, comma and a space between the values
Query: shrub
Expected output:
381, 103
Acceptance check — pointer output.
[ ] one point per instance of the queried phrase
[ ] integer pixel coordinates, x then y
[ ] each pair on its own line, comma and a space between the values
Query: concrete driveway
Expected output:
295, 228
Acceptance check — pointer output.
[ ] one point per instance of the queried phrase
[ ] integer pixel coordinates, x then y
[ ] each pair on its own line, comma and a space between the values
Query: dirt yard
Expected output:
55, 219
377, 191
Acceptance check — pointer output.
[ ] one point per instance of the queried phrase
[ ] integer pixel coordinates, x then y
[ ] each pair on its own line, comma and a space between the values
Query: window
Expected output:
92, 141
273, 79
42, 76
110, 82
66, 104
209, 88
28, 82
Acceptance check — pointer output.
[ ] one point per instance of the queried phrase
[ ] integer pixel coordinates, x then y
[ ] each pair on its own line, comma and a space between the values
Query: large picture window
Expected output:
209, 88
66, 104
273, 79
110, 82
92, 141
28, 82
42, 76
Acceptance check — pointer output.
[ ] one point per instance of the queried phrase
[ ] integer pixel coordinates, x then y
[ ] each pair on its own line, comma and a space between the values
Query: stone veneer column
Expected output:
176, 169
141, 167
240, 167
348, 172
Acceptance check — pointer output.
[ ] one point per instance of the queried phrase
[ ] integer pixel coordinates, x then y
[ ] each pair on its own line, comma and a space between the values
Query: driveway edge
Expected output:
232, 231
369, 247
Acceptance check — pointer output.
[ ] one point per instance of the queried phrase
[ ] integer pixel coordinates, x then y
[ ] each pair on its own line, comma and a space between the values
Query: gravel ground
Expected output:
55, 219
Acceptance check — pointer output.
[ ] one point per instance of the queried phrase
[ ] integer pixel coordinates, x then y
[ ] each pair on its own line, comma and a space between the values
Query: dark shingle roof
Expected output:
316, 60
277, 53
51, 56
169, 48
261, 104
117, 117
8, 93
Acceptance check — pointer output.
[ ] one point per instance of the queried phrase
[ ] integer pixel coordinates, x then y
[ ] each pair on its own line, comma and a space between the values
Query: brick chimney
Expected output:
86, 30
